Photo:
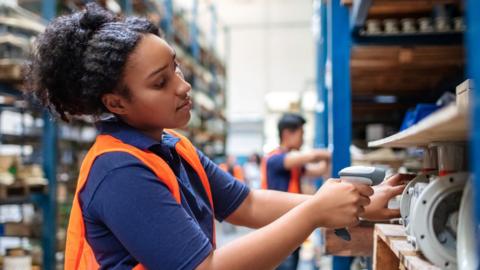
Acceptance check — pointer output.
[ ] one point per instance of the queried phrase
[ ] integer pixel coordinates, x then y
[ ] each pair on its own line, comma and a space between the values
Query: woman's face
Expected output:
159, 96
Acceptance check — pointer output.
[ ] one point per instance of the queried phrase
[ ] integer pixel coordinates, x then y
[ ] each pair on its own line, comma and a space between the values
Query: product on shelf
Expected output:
391, 26
425, 25
6, 164
467, 256
463, 92
32, 175
408, 25
17, 259
435, 219
442, 24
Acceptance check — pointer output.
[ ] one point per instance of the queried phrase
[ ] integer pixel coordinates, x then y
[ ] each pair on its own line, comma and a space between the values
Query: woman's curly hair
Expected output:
81, 57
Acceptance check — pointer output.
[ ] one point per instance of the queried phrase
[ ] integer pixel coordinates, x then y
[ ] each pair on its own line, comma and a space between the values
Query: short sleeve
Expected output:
227, 192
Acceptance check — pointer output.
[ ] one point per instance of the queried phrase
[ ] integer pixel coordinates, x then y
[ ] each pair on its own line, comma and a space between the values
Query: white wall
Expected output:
268, 47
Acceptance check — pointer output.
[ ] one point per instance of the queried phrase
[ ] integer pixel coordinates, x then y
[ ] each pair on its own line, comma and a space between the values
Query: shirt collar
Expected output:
129, 135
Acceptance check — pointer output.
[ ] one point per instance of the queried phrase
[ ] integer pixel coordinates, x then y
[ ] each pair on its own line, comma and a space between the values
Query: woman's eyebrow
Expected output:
174, 56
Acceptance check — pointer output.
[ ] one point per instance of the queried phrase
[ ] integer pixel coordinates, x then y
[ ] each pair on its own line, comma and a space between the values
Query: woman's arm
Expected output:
336, 204
261, 207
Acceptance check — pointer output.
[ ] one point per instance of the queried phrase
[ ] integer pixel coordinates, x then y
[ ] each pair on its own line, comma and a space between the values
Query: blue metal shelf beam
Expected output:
167, 21
49, 153
473, 68
359, 14
126, 6
195, 47
339, 95
321, 110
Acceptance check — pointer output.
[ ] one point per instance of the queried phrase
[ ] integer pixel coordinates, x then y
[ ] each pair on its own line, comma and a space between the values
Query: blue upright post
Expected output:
321, 110
166, 22
473, 66
126, 7
213, 27
195, 48
339, 115
49, 154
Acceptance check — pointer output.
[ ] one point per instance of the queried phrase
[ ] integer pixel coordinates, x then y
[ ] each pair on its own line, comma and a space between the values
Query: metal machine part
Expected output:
466, 246
407, 197
430, 160
434, 219
451, 157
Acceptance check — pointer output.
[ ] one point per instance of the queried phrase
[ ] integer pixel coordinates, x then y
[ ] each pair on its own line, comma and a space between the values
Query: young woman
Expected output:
146, 198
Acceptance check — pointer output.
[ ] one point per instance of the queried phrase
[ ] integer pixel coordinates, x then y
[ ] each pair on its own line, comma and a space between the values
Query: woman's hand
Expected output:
391, 187
338, 204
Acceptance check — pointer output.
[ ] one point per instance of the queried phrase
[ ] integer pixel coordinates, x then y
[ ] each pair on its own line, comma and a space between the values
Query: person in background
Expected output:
283, 168
231, 166
252, 170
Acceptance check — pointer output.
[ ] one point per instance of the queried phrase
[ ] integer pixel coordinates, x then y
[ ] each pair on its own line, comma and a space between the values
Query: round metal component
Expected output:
391, 26
373, 27
466, 246
407, 197
459, 24
451, 157
425, 24
408, 25
433, 221
442, 24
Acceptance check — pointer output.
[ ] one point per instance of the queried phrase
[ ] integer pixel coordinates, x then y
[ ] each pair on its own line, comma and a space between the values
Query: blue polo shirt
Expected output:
130, 216
278, 177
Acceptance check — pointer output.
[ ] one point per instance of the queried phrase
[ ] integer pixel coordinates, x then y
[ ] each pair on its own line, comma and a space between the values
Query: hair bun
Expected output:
95, 16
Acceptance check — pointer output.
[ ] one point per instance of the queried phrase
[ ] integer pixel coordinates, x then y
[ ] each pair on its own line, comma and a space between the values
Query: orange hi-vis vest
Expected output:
237, 171
78, 253
293, 184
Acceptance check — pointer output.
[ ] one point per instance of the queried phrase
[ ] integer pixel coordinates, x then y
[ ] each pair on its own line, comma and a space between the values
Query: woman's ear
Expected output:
115, 103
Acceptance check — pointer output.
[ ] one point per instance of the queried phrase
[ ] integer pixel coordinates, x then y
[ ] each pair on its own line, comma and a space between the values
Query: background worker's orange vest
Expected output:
237, 171
78, 253
293, 184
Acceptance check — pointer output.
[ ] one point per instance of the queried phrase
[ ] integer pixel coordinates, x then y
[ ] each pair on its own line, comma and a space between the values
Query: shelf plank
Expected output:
378, 70
401, 8
392, 251
447, 124
360, 245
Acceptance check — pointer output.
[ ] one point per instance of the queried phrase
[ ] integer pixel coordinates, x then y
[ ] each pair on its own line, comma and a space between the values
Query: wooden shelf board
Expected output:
445, 125
402, 8
392, 69
392, 251
360, 245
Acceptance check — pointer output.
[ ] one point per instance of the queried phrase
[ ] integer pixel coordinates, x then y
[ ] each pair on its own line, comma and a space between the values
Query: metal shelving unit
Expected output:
339, 33
51, 139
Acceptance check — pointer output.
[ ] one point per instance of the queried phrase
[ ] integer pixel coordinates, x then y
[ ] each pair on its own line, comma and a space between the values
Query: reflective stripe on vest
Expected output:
78, 253
294, 181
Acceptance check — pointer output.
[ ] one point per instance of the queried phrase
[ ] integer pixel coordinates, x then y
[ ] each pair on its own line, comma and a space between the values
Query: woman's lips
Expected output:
186, 105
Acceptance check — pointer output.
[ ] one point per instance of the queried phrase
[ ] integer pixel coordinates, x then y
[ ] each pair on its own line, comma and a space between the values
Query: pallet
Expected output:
21, 190
391, 250
360, 245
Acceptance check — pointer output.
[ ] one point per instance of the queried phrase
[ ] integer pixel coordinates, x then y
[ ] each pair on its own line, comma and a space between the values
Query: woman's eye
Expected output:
160, 84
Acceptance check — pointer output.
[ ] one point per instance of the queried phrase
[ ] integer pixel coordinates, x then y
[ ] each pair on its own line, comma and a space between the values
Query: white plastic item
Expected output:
17, 263
466, 246
407, 195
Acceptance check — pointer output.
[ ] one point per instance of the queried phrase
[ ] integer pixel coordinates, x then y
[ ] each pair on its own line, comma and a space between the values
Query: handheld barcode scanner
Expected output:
359, 175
